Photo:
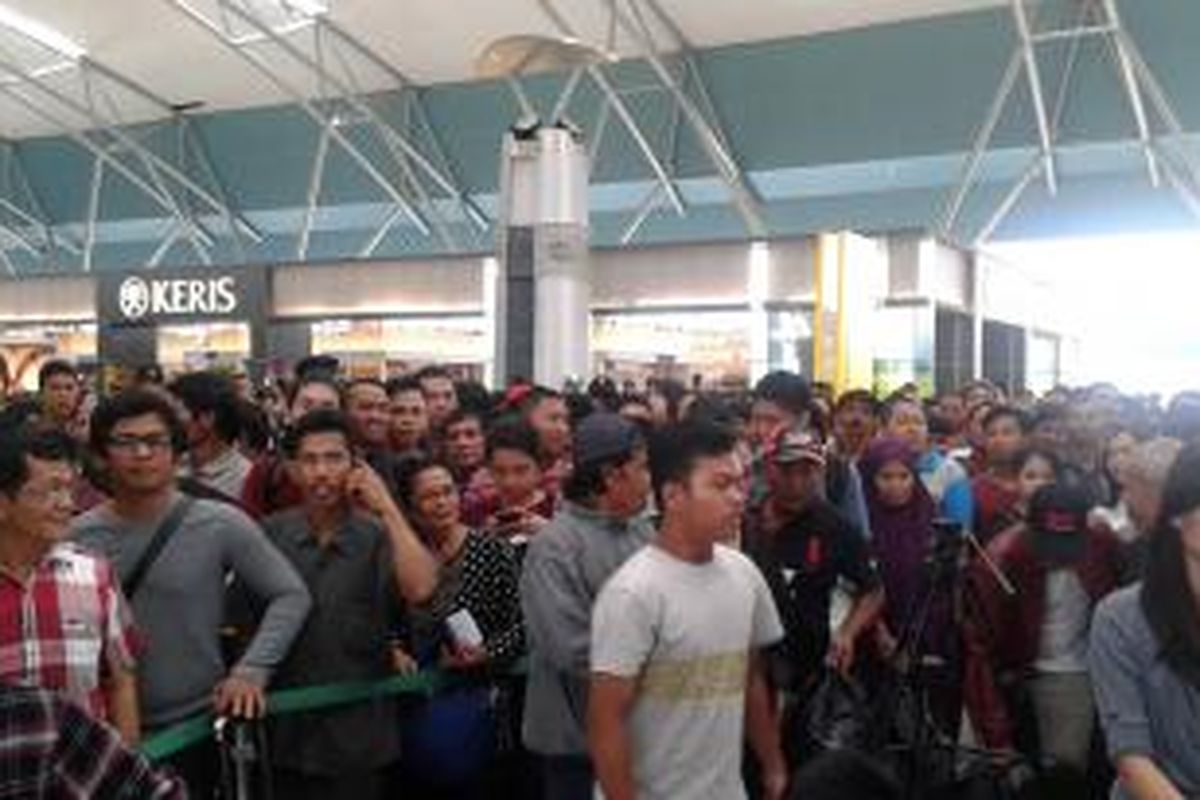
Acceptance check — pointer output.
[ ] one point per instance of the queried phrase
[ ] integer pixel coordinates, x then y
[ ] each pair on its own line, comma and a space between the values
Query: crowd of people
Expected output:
664, 592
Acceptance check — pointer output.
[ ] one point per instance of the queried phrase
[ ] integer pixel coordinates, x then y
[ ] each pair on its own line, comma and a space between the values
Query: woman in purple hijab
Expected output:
902, 513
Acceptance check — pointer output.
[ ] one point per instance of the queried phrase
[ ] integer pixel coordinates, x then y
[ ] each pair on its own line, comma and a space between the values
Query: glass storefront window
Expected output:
213, 345
25, 348
635, 347
386, 347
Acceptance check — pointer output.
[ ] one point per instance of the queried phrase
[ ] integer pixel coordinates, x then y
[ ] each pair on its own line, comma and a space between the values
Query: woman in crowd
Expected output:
943, 477
472, 626
1036, 467
902, 538
1145, 654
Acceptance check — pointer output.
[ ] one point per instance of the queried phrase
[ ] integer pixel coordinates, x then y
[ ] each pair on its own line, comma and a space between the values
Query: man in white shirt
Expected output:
676, 635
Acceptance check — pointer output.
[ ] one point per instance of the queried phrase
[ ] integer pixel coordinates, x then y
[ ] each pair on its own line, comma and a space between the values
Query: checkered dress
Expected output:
66, 627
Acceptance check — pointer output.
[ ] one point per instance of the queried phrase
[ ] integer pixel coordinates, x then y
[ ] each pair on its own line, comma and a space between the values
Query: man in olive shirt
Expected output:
360, 568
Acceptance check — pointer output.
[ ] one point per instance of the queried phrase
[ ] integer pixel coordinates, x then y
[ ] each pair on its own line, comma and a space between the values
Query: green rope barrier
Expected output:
196, 729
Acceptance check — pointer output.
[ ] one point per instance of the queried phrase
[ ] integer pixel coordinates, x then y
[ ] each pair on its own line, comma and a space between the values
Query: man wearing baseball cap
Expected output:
602, 522
804, 545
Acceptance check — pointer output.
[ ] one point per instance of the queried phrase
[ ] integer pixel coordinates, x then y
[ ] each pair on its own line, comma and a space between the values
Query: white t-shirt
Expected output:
1064, 638
685, 631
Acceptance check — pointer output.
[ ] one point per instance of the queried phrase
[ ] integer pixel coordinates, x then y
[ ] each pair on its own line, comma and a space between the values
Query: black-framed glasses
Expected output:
128, 443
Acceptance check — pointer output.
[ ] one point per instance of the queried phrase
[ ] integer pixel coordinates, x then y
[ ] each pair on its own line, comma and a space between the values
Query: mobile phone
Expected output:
463, 629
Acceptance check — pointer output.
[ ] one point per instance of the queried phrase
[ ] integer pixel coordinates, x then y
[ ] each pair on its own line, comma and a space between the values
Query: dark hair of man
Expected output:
55, 367
127, 405
312, 379
1006, 412
473, 396
1030, 453
254, 426
323, 365
211, 393
19, 412
859, 397
18, 446
588, 481
433, 371
535, 397
1167, 598
513, 434
675, 451
402, 385
461, 415
352, 385
789, 391
320, 420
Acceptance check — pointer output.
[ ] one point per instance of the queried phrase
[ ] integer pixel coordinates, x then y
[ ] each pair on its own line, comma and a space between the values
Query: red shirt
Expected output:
66, 627
995, 506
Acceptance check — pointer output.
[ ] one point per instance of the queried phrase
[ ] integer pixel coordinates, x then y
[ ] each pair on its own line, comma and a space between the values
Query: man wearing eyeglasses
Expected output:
179, 602
64, 625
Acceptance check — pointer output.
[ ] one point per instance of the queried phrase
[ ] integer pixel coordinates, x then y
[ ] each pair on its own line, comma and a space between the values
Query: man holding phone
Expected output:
361, 562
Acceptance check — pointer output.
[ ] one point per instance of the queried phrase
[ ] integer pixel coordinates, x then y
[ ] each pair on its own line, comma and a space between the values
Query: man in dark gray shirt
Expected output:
601, 524
360, 568
179, 606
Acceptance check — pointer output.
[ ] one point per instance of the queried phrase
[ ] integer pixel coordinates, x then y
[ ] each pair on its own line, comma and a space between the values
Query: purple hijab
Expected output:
900, 535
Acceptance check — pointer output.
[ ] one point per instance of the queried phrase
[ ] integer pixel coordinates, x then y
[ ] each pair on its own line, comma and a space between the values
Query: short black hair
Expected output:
324, 365
1010, 412
18, 446
675, 450
434, 371
406, 471
788, 390
363, 382
211, 393
405, 383
134, 403
473, 396
310, 379
319, 420
862, 397
516, 435
56, 366
460, 415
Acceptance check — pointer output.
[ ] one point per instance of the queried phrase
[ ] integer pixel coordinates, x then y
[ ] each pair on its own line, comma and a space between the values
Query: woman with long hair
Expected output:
1145, 654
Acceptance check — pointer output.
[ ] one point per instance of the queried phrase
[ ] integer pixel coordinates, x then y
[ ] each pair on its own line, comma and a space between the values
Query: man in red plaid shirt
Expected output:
64, 625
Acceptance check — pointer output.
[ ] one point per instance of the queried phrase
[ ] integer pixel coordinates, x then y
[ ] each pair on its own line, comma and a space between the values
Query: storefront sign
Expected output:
152, 298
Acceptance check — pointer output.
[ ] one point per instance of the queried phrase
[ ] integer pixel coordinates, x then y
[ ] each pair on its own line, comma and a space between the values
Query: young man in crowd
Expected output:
270, 487
212, 421
781, 401
855, 422
410, 417
464, 450
361, 561
1034, 643
59, 395
545, 410
676, 638
369, 412
996, 491
54, 748
64, 624
519, 506
440, 397
178, 589
601, 523
804, 547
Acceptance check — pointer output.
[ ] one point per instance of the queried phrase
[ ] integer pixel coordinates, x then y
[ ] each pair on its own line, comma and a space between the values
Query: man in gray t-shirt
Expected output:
676, 636
179, 606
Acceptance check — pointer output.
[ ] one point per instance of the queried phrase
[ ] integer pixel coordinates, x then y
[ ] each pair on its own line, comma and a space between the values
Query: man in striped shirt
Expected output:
64, 625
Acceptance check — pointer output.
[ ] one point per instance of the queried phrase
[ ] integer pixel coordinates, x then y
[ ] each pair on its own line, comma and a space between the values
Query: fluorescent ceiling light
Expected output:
40, 33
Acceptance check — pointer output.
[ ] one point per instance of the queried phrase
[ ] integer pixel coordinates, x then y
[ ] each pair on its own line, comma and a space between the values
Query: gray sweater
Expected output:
565, 567
1145, 708
180, 606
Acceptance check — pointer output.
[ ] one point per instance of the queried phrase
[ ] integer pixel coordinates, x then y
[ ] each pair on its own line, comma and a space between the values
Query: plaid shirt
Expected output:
66, 627
52, 749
